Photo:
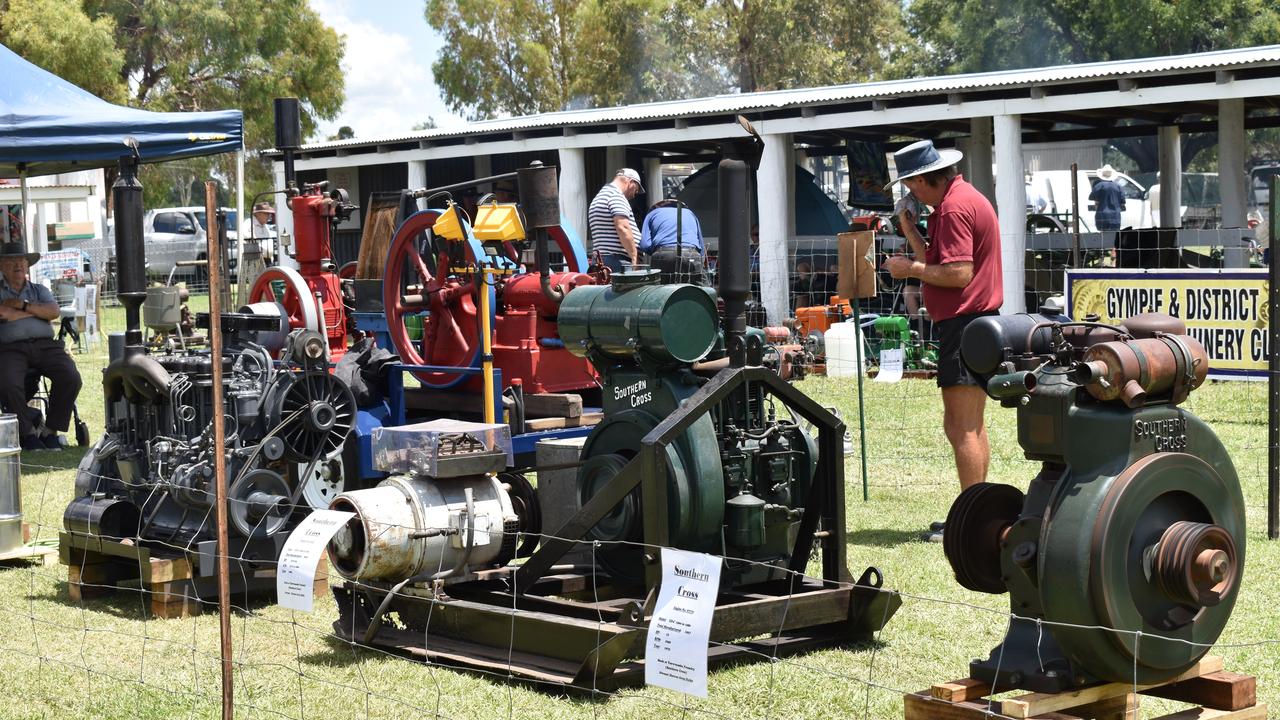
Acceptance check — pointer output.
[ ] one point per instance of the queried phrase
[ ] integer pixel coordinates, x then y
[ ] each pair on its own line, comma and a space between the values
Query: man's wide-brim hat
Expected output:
1106, 172
264, 207
17, 249
921, 157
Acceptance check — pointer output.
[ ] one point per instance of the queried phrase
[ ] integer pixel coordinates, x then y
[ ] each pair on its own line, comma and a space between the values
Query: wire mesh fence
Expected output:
108, 656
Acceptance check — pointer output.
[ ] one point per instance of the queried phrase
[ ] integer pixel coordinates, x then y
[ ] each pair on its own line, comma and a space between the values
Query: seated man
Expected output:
27, 310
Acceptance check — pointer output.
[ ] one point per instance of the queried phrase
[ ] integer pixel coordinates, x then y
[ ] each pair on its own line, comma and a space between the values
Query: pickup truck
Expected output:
179, 233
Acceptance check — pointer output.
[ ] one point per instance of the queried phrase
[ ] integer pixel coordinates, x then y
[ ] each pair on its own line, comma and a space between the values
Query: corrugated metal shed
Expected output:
884, 90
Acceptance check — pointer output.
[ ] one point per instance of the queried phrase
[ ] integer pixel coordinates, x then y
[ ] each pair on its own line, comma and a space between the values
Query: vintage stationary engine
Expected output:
1129, 544
312, 294
738, 477
433, 277
152, 476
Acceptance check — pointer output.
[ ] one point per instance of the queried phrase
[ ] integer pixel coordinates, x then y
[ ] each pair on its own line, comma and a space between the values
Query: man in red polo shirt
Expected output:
961, 278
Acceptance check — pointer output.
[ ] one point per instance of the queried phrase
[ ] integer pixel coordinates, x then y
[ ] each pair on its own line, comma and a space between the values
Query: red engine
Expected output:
526, 343
312, 295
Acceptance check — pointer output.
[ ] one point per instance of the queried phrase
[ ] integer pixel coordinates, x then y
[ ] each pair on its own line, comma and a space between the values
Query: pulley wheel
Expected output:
695, 491
1156, 550
324, 482
450, 333
286, 286
524, 498
313, 414
975, 524
258, 504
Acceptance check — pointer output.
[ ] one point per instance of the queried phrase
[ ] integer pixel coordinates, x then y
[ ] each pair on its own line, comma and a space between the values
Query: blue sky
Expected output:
387, 67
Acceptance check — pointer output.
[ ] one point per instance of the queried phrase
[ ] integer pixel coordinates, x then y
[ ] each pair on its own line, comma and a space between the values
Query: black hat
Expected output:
18, 249
921, 157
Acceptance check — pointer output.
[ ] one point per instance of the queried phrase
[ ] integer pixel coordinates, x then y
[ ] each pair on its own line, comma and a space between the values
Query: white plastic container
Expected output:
843, 341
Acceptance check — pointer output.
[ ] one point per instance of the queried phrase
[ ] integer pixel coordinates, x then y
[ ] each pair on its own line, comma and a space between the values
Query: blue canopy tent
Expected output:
48, 125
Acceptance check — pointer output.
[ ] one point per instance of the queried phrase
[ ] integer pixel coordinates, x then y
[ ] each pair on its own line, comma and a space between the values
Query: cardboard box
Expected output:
857, 277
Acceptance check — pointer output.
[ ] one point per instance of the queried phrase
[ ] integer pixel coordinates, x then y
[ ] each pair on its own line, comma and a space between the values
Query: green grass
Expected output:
101, 659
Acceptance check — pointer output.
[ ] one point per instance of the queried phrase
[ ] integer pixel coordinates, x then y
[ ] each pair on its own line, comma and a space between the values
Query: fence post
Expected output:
1273, 377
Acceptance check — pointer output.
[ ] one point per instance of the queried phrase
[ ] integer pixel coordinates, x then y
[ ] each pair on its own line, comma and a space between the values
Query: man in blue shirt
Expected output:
1108, 200
678, 260
27, 310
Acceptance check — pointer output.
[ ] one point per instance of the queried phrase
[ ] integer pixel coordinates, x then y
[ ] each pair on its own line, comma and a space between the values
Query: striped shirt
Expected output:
608, 204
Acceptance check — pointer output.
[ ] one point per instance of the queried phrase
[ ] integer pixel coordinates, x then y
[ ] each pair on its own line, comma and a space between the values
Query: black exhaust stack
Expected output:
288, 136
126, 193
735, 256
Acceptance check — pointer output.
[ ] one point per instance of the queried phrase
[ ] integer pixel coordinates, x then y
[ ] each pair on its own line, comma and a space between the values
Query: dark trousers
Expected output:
687, 267
49, 358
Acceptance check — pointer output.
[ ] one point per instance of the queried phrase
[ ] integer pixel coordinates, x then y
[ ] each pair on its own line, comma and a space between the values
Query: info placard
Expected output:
296, 572
675, 654
891, 362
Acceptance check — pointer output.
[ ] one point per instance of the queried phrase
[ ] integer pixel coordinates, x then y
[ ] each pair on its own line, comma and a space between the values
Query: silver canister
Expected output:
10, 485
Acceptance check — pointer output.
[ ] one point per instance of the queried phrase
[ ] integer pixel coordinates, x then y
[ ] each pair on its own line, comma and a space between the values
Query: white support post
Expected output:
1011, 207
573, 189
417, 178
1169, 149
773, 180
977, 152
1231, 175
653, 180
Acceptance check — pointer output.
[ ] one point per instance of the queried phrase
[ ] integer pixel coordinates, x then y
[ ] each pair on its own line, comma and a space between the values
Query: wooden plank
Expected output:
539, 424
1219, 690
160, 570
1257, 712
922, 706
960, 690
553, 405
1031, 704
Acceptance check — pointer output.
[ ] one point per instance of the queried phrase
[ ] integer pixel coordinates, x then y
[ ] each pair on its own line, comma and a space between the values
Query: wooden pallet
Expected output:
167, 582
1218, 694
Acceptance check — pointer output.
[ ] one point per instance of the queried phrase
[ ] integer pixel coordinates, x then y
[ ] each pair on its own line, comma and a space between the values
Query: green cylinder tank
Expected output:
668, 322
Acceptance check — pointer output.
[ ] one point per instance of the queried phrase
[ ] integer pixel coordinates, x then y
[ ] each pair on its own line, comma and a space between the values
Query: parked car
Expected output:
180, 233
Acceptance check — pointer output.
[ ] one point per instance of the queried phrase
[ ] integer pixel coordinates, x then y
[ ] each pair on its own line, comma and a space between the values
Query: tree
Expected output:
530, 56
62, 39
187, 56
344, 133
428, 124
960, 36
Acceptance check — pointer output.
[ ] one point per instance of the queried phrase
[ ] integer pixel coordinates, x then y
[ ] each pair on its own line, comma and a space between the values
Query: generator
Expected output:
1123, 558
893, 332
702, 448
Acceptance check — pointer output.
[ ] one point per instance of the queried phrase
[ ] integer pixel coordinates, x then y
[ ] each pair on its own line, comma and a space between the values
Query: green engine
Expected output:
894, 332
736, 478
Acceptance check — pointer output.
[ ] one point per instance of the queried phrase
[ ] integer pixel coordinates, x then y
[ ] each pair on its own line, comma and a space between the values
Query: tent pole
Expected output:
242, 281
26, 200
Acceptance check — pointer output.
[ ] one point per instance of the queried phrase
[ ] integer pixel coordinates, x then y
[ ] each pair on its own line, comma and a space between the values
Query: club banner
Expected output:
1226, 310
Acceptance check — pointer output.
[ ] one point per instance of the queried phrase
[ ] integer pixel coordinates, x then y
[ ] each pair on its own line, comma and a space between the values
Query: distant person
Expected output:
802, 285
678, 260
27, 311
1108, 200
612, 223
260, 232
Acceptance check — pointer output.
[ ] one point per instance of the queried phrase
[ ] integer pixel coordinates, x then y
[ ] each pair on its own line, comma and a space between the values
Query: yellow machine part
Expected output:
449, 225
498, 221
